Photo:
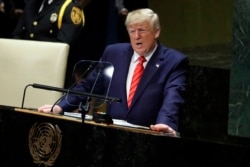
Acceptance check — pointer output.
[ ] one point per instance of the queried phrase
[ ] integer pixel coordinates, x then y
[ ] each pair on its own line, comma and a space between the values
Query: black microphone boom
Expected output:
52, 88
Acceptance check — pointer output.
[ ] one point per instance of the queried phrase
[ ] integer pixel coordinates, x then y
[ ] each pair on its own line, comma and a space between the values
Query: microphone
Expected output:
46, 87
52, 88
39, 86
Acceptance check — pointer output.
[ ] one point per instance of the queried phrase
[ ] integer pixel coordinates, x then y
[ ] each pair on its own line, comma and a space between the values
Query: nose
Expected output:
137, 34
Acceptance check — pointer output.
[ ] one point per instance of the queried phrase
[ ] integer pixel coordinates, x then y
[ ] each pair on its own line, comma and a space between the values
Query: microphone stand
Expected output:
86, 106
83, 107
52, 88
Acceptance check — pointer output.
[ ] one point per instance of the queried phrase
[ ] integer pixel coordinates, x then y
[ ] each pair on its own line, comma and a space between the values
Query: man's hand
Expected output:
123, 12
163, 128
47, 109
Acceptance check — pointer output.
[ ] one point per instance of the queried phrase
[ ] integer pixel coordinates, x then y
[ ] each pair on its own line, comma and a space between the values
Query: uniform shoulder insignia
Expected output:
76, 15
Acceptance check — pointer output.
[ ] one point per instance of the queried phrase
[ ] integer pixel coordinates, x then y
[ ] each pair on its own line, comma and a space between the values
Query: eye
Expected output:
131, 31
141, 31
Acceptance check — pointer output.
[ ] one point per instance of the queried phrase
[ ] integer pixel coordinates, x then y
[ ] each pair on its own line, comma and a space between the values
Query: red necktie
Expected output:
136, 78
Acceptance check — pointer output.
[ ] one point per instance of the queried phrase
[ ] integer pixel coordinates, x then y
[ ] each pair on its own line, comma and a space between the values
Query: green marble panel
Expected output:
239, 99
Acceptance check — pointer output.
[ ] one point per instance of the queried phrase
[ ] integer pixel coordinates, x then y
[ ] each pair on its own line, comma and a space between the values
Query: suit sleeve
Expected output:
72, 24
174, 95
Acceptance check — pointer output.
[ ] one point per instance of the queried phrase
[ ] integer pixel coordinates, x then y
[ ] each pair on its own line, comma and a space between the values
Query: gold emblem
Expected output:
53, 17
45, 143
76, 15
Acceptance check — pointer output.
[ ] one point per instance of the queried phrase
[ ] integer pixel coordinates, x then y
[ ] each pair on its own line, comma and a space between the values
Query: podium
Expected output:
31, 138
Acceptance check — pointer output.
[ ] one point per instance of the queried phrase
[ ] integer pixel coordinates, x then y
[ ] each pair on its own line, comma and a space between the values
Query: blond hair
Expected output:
141, 15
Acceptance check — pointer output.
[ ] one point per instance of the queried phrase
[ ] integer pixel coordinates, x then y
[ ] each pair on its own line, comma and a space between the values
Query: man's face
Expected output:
143, 37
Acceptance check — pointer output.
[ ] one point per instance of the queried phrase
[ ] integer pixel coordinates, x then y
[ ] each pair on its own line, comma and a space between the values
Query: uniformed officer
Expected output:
50, 20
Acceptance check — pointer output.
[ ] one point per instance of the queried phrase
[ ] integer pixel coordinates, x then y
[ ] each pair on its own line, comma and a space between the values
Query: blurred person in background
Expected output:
10, 12
123, 7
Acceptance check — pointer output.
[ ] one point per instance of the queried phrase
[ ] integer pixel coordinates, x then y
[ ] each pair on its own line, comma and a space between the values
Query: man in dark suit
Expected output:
160, 95
50, 20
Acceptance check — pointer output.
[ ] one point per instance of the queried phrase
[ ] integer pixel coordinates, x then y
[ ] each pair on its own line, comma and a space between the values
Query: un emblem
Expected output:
45, 143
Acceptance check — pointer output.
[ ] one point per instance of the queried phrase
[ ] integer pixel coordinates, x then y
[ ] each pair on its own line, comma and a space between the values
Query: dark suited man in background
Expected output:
123, 7
160, 94
10, 12
50, 20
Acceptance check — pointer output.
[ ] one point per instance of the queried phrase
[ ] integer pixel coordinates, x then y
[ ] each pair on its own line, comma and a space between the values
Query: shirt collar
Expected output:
147, 57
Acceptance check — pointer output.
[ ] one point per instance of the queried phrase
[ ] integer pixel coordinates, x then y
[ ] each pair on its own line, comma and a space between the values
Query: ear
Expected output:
157, 33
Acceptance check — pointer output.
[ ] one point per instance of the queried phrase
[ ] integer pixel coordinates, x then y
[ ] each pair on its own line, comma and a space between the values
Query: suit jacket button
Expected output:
35, 23
31, 35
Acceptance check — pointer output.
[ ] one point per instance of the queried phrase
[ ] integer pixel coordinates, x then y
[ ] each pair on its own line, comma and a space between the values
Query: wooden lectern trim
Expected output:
90, 122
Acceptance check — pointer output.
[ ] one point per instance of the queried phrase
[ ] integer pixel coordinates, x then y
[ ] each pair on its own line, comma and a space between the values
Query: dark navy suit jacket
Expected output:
160, 95
43, 26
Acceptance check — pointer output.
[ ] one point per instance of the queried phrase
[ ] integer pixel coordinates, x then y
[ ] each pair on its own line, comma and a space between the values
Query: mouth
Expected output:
138, 44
